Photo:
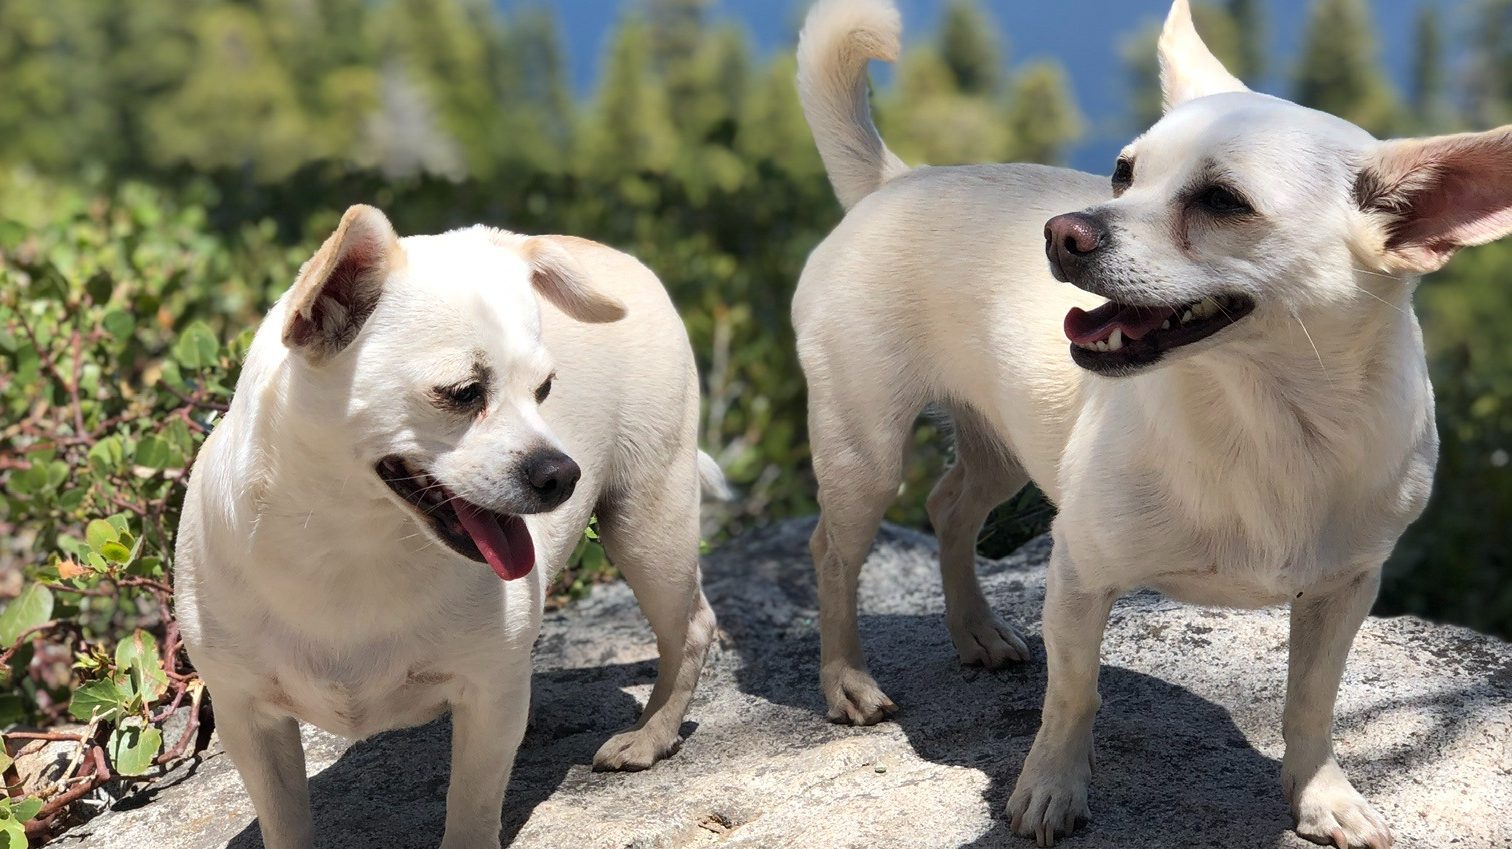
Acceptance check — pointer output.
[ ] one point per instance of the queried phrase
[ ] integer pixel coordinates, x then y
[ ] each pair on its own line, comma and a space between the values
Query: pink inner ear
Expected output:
1447, 193
344, 300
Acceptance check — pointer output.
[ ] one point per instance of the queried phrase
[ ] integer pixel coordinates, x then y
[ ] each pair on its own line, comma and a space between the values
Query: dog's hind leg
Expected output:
858, 459
984, 476
652, 536
1327, 807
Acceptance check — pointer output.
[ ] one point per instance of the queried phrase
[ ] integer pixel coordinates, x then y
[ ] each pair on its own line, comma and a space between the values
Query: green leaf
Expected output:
99, 286
5, 759
133, 748
100, 532
197, 347
153, 453
28, 610
115, 552
12, 833
119, 324
26, 808
101, 699
107, 455
57, 473
137, 655
120, 523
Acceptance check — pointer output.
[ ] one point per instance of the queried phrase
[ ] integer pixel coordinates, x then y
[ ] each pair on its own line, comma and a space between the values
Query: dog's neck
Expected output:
1316, 381
303, 490
1278, 434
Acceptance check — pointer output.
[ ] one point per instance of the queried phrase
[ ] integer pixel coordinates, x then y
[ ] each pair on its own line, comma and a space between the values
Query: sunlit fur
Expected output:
306, 590
1274, 462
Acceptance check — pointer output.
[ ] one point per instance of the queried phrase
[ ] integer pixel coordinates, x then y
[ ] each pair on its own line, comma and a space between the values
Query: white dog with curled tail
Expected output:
1210, 364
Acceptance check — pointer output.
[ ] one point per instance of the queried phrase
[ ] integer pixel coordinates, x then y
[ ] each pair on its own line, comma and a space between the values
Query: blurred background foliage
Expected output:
166, 164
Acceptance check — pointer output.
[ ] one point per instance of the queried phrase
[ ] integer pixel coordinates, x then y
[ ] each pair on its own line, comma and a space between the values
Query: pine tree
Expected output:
1042, 116
445, 47
772, 127
1338, 71
237, 107
1429, 81
537, 108
1491, 69
1248, 17
968, 42
629, 127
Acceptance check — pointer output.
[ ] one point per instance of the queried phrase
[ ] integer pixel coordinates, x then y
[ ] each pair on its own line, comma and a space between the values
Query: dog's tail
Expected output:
839, 38
711, 479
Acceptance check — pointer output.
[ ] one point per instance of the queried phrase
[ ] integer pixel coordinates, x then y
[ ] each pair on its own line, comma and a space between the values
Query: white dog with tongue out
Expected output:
408, 412
1242, 415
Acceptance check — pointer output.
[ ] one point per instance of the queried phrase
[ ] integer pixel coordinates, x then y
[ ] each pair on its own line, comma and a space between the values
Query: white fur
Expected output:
1275, 462
307, 591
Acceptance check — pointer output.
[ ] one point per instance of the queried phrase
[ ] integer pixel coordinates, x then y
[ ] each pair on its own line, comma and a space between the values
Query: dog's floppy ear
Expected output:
1188, 69
1428, 198
559, 278
338, 288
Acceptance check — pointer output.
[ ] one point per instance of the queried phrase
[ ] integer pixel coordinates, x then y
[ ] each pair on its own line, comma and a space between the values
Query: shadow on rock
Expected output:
396, 782
1171, 766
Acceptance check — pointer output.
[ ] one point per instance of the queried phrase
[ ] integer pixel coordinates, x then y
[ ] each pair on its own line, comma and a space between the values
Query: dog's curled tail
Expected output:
839, 38
711, 479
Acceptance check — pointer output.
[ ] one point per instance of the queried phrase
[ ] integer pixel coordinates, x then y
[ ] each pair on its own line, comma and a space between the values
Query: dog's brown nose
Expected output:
1070, 240
552, 476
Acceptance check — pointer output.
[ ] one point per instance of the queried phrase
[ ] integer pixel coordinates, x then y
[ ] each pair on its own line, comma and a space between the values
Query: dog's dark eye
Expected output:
464, 396
544, 389
1223, 201
1123, 174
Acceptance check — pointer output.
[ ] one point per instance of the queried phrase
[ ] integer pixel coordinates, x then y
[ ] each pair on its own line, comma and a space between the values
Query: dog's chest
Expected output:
359, 701
1243, 527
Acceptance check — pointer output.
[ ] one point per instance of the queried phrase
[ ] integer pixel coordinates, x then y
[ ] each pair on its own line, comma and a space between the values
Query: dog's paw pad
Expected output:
632, 751
855, 699
986, 640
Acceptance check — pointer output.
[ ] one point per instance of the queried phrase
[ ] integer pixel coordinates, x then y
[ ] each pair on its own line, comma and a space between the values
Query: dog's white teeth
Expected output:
1187, 317
1165, 325
1115, 342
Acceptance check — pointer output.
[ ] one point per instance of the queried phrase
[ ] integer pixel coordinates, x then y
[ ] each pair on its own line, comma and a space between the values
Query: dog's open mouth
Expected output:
1119, 338
477, 533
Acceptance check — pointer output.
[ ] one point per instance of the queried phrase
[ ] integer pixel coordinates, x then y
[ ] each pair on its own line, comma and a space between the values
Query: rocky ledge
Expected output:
1188, 739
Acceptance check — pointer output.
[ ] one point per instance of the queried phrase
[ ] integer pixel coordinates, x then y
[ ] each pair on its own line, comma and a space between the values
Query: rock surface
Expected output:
1188, 739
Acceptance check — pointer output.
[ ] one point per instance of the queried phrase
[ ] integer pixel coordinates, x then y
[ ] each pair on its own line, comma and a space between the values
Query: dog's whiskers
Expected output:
1316, 352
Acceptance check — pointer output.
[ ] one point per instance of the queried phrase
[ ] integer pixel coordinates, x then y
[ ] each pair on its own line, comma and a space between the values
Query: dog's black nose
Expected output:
552, 476
1070, 242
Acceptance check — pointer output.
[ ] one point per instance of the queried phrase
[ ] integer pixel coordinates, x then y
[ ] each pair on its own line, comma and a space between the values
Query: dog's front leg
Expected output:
1051, 795
269, 755
487, 724
1326, 805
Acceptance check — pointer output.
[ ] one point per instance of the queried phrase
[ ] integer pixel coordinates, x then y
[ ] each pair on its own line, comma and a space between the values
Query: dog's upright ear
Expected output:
559, 278
1427, 198
1188, 69
338, 288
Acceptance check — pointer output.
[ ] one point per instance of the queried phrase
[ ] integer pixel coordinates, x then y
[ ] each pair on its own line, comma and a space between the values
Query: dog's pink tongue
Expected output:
1084, 327
504, 541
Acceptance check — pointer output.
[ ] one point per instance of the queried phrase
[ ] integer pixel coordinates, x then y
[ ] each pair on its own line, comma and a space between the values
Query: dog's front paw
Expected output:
854, 698
1331, 812
983, 639
635, 750
1050, 799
